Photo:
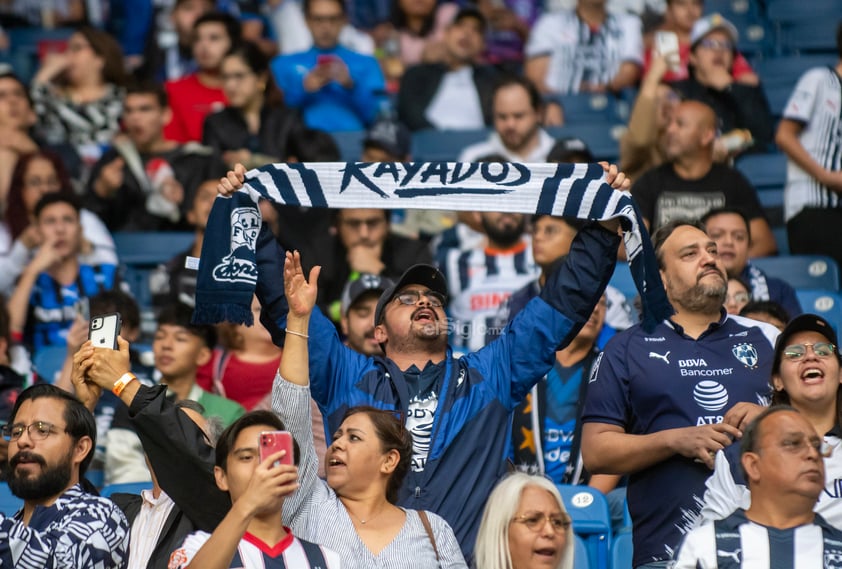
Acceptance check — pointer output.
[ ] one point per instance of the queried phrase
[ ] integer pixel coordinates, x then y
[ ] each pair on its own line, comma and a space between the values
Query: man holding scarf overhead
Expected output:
459, 410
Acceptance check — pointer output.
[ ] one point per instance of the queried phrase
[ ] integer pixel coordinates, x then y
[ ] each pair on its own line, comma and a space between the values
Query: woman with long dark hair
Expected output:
255, 127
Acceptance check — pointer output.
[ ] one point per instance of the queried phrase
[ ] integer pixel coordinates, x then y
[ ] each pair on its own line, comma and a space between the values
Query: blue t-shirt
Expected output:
647, 383
563, 387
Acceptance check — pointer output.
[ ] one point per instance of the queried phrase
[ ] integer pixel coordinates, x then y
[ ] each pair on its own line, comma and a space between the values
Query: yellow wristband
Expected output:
121, 383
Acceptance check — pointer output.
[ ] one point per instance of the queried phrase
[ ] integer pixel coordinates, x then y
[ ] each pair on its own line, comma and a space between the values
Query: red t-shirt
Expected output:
739, 68
247, 383
191, 102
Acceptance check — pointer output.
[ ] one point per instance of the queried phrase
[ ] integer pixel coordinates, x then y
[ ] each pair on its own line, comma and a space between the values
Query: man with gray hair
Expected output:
782, 457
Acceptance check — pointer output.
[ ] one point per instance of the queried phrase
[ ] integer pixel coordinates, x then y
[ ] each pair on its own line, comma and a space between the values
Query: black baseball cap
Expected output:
391, 136
426, 275
364, 284
803, 323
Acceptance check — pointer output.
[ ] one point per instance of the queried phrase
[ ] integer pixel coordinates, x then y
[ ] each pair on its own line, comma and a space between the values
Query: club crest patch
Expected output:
245, 225
746, 354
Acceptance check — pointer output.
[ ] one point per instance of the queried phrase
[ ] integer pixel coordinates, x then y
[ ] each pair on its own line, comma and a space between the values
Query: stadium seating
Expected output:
589, 108
808, 272
622, 281
9, 503
622, 551
588, 509
580, 554
787, 69
825, 303
444, 146
125, 488
350, 144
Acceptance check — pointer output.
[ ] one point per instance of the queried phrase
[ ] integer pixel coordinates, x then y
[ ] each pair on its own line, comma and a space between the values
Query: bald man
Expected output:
690, 184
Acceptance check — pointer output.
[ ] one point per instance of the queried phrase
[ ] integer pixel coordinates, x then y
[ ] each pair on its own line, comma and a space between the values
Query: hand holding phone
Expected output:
666, 44
271, 442
104, 329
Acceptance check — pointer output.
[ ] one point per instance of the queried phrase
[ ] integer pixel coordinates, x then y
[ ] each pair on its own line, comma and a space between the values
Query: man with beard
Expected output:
518, 136
482, 278
51, 444
662, 403
690, 184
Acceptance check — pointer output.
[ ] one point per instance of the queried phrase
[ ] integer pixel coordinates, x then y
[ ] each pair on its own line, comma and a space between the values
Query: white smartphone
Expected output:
104, 329
666, 44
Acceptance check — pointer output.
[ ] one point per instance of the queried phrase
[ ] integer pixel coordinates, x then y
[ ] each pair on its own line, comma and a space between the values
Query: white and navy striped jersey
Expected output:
816, 102
737, 543
289, 553
726, 490
479, 281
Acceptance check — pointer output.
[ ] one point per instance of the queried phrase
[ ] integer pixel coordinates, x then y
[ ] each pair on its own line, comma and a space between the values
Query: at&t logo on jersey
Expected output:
711, 396
746, 354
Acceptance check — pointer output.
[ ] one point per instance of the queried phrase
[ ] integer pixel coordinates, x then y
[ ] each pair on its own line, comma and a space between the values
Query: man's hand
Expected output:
233, 181
77, 335
340, 73
704, 441
269, 484
615, 178
300, 294
364, 258
833, 180
87, 392
46, 257
110, 179
104, 365
741, 414
318, 77
31, 236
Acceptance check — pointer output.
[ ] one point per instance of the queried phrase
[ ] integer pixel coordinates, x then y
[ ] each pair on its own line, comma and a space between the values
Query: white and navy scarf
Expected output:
228, 270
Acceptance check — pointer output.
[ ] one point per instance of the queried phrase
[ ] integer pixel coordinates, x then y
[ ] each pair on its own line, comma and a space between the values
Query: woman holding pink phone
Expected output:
354, 511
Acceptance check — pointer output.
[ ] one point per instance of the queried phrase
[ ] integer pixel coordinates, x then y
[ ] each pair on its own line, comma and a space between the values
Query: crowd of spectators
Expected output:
418, 355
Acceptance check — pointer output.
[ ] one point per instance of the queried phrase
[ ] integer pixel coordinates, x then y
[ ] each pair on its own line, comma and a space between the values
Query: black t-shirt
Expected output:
662, 196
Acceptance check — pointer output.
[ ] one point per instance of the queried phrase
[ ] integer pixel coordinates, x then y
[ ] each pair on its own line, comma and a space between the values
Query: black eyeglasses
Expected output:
41, 431
410, 297
797, 351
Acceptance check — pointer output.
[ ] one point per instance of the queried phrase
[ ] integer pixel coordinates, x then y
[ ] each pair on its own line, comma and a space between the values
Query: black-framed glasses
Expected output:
410, 297
37, 431
796, 352
536, 521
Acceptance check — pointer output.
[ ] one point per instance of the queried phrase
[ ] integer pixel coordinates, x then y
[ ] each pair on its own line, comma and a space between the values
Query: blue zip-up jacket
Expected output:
472, 424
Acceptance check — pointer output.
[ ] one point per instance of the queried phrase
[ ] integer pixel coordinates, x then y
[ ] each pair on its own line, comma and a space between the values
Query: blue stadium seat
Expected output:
787, 69
778, 96
580, 554
589, 108
825, 303
350, 144
781, 238
444, 145
152, 247
125, 488
48, 361
588, 509
793, 11
764, 170
9, 503
622, 551
602, 139
809, 272
815, 35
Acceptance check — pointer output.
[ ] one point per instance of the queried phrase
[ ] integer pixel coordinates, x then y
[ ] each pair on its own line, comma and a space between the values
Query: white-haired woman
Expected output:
524, 526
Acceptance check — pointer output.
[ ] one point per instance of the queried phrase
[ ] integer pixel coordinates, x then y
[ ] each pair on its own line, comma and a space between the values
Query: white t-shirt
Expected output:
579, 54
816, 102
494, 145
456, 106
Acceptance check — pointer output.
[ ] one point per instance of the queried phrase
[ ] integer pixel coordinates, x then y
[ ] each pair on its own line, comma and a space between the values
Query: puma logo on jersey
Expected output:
658, 356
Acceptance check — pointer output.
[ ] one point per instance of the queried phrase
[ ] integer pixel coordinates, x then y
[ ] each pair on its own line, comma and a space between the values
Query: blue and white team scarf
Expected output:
228, 269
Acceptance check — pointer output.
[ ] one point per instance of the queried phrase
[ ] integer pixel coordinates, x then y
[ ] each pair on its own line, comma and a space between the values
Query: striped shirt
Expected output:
315, 512
289, 553
816, 103
480, 281
737, 543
